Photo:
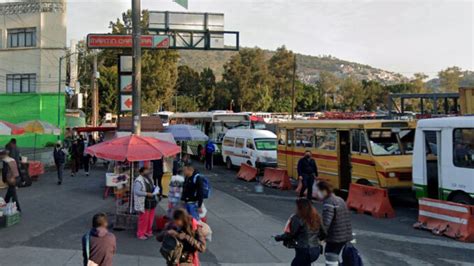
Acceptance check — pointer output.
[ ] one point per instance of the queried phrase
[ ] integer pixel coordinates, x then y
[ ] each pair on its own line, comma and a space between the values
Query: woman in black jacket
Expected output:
303, 233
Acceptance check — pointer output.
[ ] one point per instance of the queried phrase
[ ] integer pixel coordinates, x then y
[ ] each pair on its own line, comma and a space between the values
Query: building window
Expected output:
21, 83
24, 37
463, 147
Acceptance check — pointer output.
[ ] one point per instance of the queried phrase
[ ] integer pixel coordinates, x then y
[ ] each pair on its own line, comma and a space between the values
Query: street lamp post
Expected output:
137, 66
59, 86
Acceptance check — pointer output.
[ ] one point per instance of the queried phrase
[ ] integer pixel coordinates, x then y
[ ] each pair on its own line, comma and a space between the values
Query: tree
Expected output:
187, 104
223, 96
207, 89
450, 78
352, 94
306, 97
107, 84
188, 81
280, 67
418, 83
327, 86
246, 76
375, 95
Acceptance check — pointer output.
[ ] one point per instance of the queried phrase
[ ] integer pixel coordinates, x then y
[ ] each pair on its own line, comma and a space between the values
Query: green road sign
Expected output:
183, 3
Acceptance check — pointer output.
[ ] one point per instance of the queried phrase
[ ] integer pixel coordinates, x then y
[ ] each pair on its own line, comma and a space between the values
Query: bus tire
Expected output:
461, 197
228, 163
364, 182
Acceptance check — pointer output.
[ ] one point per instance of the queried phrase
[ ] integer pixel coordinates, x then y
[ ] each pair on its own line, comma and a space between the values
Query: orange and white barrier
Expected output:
247, 172
371, 200
277, 178
446, 218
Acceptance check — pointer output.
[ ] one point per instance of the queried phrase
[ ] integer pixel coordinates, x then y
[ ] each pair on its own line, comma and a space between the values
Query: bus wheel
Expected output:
364, 182
462, 198
228, 163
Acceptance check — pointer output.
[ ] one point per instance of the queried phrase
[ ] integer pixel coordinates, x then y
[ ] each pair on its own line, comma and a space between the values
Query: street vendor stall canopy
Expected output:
7, 128
186, 133
133, 148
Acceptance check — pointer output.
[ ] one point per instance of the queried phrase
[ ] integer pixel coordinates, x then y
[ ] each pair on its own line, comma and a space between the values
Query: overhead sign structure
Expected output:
101, 41
126, 102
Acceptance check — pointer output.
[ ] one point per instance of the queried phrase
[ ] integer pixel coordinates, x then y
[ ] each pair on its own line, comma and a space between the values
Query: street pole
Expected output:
59, 94
293, 89
95, 94
137, 66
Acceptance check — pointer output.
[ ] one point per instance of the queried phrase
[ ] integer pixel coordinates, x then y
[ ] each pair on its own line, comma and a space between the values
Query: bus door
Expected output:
432, 160
344, 160
290, 160
281, 152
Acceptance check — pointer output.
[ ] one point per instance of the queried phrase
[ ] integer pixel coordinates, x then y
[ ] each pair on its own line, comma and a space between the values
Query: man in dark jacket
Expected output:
192, 191
59, 155
210, 149
336, 219
307, 173
158, 174
99, 245
13, 150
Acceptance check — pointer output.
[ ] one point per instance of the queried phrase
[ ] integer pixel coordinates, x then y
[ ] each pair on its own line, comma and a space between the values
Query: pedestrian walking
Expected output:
13, 151
336, 219
59, 155
158, 174
307, 173
145, 202
86, 158
98, 245
210, 149
193, 189
304, 232
75, 157
10, 176
185, 229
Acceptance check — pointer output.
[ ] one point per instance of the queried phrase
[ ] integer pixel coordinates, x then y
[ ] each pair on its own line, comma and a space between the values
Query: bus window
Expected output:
282, 136
463, 147
359, 145
407, 138
290, 138
391, 142
326, 139
304, 137
250, 144
239, 142
229, 142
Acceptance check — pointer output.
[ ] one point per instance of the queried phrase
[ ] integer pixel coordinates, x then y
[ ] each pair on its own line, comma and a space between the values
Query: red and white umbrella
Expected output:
7, 128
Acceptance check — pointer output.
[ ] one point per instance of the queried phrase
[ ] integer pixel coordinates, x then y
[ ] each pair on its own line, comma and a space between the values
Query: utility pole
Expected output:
95, 94
137, 67
293, 89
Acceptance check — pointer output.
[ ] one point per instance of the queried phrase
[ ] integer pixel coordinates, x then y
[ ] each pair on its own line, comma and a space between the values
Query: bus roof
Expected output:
348, 124
447, 122
253, 133
205, 114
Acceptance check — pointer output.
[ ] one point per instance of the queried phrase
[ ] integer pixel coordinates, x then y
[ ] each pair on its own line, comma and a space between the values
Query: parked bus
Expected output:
370, 152
443, 160
164, 116
213, 124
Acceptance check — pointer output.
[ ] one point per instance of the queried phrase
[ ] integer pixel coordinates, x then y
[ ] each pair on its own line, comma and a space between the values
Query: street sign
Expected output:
101, 41
126, 102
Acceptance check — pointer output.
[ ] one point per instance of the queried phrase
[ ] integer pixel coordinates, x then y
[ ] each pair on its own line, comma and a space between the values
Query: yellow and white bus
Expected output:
369, 152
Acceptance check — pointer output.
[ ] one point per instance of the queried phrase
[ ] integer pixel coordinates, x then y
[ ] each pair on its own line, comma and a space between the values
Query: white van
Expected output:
255, 147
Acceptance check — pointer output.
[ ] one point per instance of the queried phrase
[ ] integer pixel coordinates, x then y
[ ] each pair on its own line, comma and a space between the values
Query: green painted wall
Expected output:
19, 107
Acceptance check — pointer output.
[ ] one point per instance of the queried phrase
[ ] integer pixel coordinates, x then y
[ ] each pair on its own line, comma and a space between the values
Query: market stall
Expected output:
129, 151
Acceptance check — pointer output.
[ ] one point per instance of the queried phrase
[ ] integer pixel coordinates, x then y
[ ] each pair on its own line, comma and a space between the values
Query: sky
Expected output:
404, 36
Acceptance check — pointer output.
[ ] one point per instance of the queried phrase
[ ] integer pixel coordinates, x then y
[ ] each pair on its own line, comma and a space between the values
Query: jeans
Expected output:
192, 209
305, 256
11, 195
307, 183
209, 161
60, 170
85, 161
145, 223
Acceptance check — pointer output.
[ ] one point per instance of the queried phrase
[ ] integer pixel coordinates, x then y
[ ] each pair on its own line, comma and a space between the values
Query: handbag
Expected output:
89, 262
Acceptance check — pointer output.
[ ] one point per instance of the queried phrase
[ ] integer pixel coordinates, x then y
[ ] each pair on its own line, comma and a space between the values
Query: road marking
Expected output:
457, 263
417, 240
404, 257
443, 217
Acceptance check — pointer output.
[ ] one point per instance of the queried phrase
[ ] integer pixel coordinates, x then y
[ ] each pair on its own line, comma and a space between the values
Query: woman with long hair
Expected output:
303, 232
187, 230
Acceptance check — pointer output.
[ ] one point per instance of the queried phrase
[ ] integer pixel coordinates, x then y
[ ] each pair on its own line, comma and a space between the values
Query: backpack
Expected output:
210, 148
351, 256
171, 250
206, 186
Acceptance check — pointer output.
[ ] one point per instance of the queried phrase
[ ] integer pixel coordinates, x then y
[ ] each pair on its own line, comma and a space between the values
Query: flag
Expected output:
183, 3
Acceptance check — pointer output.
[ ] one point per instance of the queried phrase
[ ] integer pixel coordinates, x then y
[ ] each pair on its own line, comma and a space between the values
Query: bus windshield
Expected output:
391, 142
266, 144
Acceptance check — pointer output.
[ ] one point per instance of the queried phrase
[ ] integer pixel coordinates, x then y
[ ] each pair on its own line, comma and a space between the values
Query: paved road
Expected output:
381, 241
243, 221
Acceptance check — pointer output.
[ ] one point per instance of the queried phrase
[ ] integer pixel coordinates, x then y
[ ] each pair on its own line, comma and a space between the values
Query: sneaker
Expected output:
149, 235
142, 237
59, 183
87, 173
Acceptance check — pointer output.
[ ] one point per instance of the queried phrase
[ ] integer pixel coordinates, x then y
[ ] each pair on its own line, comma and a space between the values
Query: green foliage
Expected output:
280, 67
351, 93
188, 81
450, 79
108, 90
207, 89
186, 104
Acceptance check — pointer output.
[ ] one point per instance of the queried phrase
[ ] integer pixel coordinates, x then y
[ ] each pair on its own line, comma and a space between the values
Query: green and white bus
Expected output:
443, 159
214, 124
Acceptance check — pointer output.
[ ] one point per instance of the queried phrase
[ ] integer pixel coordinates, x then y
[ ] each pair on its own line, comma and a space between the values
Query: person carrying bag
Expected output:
303, 232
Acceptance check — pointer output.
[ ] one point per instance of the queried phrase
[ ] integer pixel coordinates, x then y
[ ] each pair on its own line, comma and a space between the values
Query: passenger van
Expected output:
254, 147
443, 159
369, 152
